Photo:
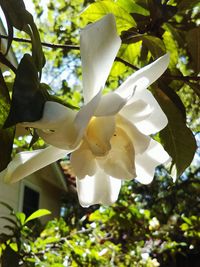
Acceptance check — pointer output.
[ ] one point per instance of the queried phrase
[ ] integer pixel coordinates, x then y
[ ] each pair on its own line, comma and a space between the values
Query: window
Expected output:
30, 199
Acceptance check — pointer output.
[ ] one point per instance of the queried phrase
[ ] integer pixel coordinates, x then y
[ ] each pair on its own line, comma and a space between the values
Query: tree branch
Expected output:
171, 77
22, 40
126, 63
76, 47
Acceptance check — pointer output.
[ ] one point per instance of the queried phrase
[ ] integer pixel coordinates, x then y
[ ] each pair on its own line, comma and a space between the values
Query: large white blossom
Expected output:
109, 137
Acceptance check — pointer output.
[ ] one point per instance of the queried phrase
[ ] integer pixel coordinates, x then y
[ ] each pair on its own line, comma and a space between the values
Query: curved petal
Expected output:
157, 120
120, 161
69, 130
98, 134
144, 77
99, 189
99, 45
63, 127
149, 160
139, 140
56, 126
83, 162
110, 104
85, 114
136, 111
54, 115
26, 163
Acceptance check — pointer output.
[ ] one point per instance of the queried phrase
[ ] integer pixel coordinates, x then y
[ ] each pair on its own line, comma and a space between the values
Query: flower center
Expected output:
98, 134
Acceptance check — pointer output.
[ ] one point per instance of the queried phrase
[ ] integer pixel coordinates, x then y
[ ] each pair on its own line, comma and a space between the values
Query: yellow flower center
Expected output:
98, 134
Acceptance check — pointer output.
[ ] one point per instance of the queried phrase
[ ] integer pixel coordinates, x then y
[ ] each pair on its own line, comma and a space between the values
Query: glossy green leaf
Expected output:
16, 11
154, 44
13, 246
131, 7
37, 52
130, 52
10, 34
187, 220
187, 4
27, 99
21, 217
37, 214
171, 47
97, 10
6, 143
195, 87
17, 16
176, 137
6, 135
6, 62
193, 41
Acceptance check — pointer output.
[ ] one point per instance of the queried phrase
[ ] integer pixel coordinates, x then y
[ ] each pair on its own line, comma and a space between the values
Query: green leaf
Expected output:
16, 12
195, 87
187, 220
13, 246
184, 227
171, 46
37, 52
154, 44
37, 214
6, 62
176, 137
17, 16
6, 135
187, 4
193, 41
27, 99
130, 52
6, 144
131, 7
21, 217
97, 10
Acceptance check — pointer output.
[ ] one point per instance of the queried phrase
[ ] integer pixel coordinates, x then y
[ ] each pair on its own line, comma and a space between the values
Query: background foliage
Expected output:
151, 225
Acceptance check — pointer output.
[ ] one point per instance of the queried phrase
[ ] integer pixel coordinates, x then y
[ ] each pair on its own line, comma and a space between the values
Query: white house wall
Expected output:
50, 196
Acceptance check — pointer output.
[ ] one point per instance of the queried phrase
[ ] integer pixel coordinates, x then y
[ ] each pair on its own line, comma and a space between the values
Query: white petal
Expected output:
98, 134
136, 111
56, 126
69, 130
157, 120
120, 161
63, 127
26, 163
53, 114
149, 160
99, 189
139, 140
99, 45
110, 104
83, 162
85, 114
144, 77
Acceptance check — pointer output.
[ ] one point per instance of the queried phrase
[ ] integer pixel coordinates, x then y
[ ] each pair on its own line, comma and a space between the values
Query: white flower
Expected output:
108, 138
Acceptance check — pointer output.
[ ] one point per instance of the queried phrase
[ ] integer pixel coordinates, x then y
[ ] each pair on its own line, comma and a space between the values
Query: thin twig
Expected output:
182, 78
76, 47
171, 77
126, 63
23, 40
